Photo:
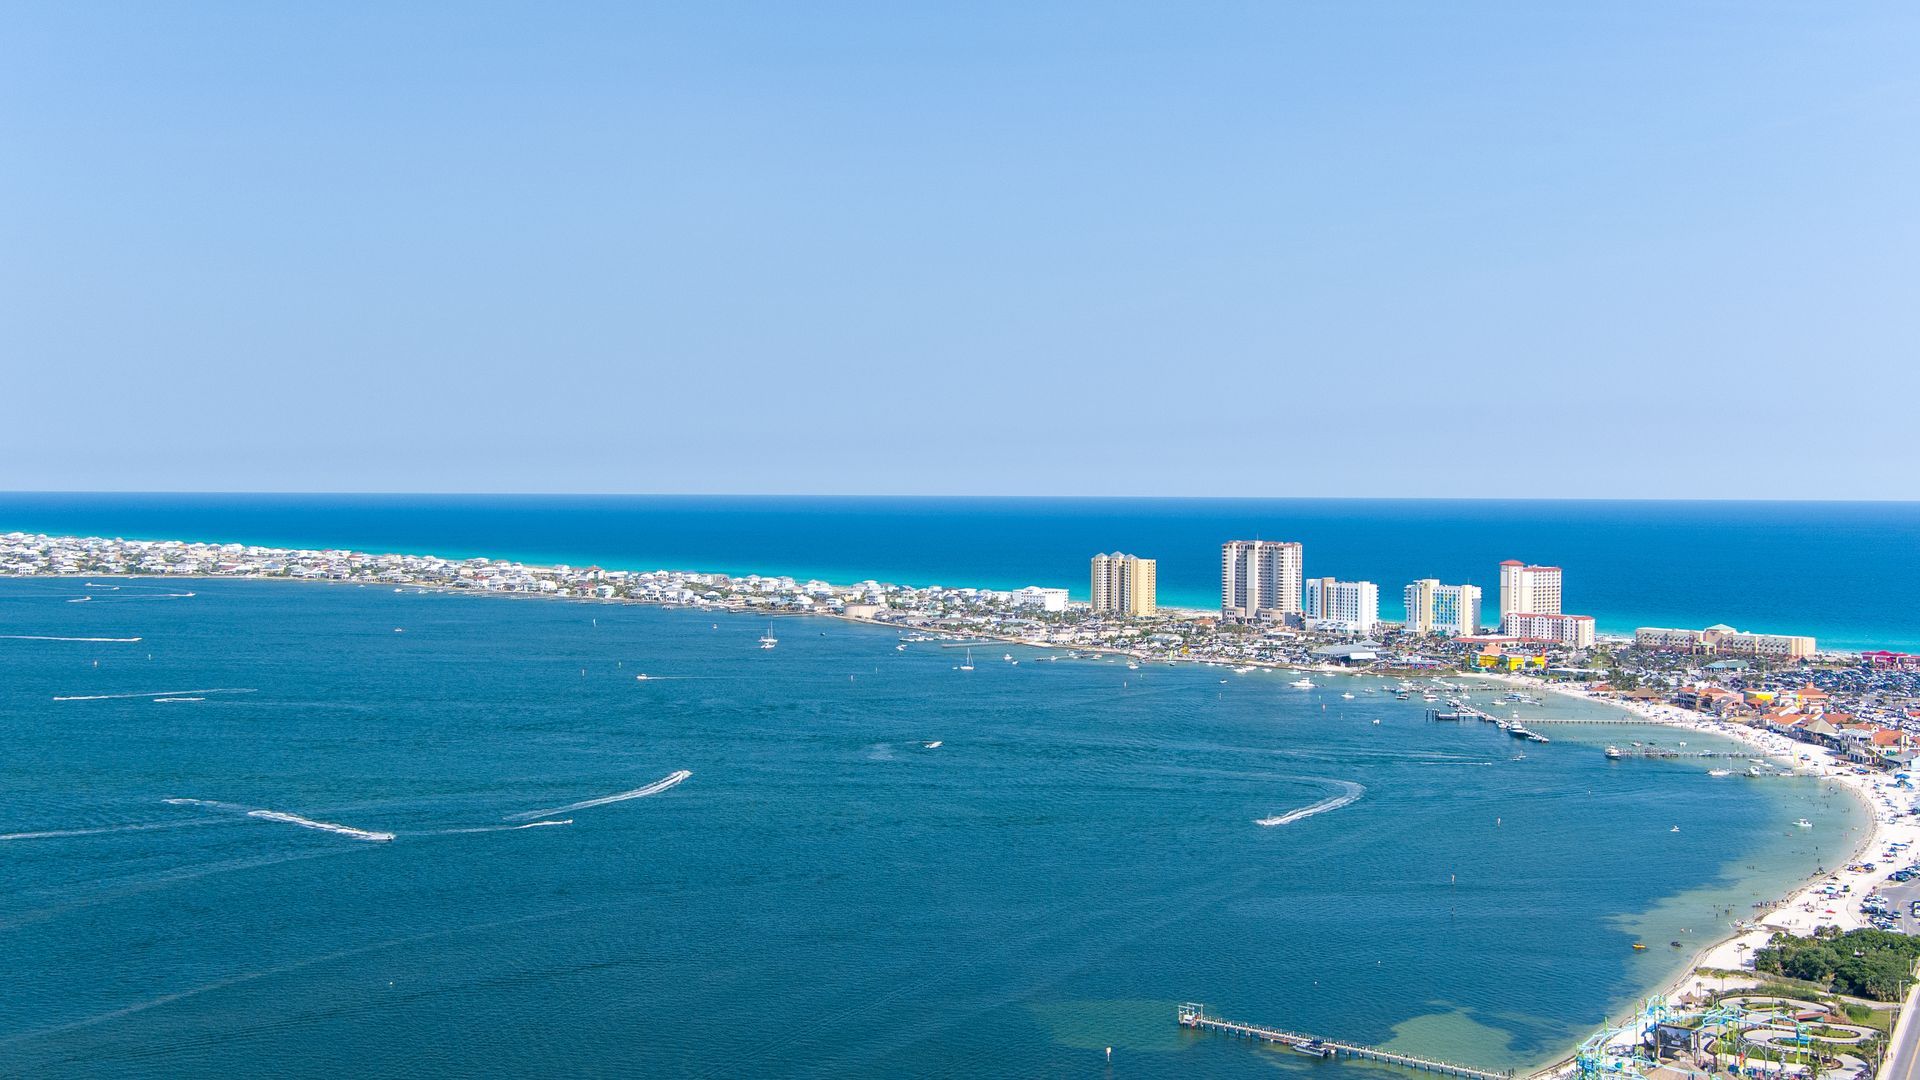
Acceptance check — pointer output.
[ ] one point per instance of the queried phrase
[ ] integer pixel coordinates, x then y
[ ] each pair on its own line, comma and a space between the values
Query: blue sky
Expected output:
1475, 249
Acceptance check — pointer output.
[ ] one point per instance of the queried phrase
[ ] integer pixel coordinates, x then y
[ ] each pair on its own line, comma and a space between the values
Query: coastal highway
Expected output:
1903, 1054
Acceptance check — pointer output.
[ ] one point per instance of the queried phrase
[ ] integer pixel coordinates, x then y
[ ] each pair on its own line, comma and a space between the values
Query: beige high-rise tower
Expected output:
1261, 578
1125, 584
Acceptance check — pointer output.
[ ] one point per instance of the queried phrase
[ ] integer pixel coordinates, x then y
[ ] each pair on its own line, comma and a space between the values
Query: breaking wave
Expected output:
655, 788
1350, 793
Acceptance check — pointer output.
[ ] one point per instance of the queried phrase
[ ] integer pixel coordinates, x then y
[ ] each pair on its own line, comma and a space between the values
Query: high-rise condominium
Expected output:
1124, 584
1352, 606
1260, 578
1433, 608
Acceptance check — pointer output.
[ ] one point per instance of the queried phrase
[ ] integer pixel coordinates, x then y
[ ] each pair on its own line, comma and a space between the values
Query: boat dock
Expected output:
1194, 1016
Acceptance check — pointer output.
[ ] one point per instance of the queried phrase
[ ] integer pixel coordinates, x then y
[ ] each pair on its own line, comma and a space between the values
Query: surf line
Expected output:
46, 637
290, 819
157, 694
670, 780
1350, 793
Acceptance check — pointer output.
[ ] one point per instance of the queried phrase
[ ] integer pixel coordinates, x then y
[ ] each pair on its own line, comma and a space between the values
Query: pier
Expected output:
1194, 1016
1666, 752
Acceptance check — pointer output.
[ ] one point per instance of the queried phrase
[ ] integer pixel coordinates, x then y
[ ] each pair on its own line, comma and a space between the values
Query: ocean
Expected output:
1846, 573
192, 825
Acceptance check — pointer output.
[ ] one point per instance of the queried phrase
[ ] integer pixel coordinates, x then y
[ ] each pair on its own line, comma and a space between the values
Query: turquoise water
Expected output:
1847, 573
823, 896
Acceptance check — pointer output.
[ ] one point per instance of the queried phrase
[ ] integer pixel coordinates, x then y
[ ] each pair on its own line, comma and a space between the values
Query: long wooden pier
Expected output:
1193, 1015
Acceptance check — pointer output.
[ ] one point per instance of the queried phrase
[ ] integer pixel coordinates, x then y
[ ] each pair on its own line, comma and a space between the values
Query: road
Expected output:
1903, 1057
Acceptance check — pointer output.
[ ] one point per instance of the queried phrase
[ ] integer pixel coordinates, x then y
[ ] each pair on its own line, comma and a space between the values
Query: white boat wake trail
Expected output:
1350, 793
44, 637
490, 828
670, 780
156, 694
290, 819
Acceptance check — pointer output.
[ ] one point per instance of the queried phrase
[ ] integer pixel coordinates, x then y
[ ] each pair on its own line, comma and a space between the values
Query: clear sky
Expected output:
1651, 249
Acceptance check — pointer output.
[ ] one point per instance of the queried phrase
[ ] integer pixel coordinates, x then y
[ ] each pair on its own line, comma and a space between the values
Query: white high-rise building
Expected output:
1528, 590
1261, 578
1124, 584
1351, 606
1433, 608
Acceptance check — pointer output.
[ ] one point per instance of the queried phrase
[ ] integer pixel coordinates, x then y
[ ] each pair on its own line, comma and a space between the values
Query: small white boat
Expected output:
1376, 720
767, 640
1301, 684
899, 648
1008, 657
1719, 772
934, 745
1676, 828
968, 666
643, 678
1131, 666
1803, 823
1348, 696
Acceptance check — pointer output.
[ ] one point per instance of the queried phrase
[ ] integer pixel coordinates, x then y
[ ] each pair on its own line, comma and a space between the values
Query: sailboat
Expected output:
968, 666
767, 640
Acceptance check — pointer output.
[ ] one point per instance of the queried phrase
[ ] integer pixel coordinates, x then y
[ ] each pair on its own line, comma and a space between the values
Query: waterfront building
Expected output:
1433, 608
1350, 606
1124, 584
1724, 640
1035, 596
1261, 578
1573, 630
1529, 590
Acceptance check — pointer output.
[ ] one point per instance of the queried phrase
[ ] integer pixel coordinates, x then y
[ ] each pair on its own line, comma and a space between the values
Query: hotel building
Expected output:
1529, 590
1433, 608
1261, 578
1124, 584
1574, 630
1724, 640
1352, 606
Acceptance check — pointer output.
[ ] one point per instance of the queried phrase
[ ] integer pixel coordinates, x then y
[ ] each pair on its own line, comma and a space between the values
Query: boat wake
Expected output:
323, 826
290, 819
500, 828
670, 780
46, 637
1350, 793
52, 834
157, 694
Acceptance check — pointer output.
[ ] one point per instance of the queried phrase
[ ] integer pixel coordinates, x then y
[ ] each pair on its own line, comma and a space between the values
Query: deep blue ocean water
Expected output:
825, 895
1847, 573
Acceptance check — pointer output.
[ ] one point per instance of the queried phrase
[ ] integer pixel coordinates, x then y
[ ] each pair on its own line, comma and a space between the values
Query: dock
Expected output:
1193, 1015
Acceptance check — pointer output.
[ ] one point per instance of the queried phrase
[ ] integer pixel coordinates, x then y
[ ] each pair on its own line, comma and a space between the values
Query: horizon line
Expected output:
971, 496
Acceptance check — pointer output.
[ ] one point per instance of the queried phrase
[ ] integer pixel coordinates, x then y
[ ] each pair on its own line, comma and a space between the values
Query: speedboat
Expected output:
1301, 684
1803, 823
1348, 696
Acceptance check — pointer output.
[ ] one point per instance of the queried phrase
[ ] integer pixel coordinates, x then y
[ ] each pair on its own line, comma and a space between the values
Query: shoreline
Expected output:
1799, 912
1804, 909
